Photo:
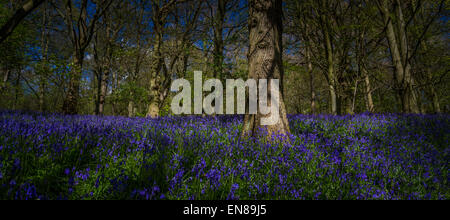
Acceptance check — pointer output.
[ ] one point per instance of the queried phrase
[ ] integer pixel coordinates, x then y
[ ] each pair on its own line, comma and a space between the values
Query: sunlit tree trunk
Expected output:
153, 108
265, 60
369, 101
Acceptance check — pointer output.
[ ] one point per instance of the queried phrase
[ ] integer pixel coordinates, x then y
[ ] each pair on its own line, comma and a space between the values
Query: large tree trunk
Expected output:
71, 101
42, 86
265, 61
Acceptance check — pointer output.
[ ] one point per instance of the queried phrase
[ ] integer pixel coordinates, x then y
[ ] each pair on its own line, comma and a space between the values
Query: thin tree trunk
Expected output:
369, 105
16, 90
103, 90
265, 61
354, 97
330, 62
5, 80
104, 73
153, 108
113, 91
44, 70
311, 82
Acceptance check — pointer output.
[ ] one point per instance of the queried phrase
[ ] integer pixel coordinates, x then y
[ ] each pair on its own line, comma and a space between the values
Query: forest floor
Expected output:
366, 156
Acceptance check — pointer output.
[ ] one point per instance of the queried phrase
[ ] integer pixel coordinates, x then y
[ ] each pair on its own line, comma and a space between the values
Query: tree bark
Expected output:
71, 101
265, 61
369, 100
103, 64
113, 91
355, 90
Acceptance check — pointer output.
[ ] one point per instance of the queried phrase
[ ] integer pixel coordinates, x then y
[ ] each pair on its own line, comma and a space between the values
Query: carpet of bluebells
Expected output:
367, 156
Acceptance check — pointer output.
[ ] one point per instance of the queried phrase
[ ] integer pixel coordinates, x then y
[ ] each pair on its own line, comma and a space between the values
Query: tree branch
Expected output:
20, 14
